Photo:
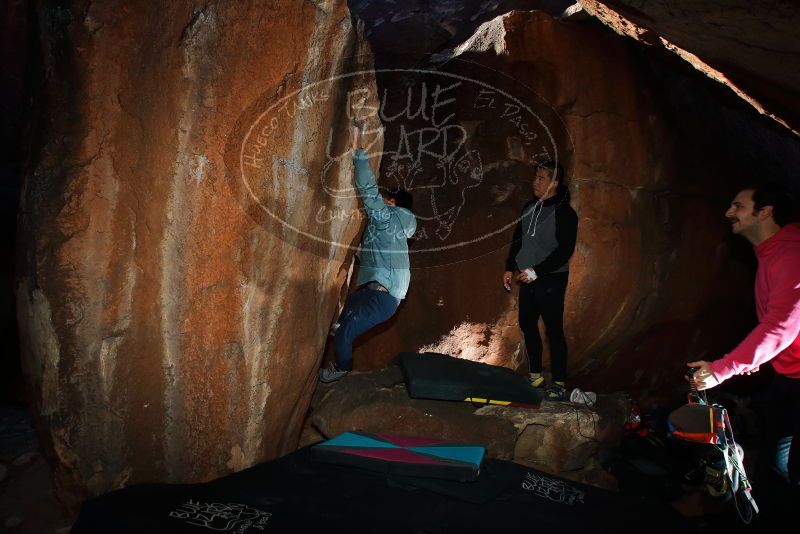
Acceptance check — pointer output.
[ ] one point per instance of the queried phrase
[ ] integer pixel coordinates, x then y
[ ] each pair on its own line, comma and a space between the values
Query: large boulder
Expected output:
174, 287
638, 204
743, 45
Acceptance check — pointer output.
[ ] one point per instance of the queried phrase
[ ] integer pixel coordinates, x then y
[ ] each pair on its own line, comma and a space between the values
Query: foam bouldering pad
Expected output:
403, 455
296, 493
440, 377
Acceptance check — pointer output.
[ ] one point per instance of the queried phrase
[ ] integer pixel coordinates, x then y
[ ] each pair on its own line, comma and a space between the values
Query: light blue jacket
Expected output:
383, 253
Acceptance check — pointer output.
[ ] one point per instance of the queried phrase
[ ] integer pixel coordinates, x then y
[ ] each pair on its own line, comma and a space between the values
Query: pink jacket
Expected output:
777, 336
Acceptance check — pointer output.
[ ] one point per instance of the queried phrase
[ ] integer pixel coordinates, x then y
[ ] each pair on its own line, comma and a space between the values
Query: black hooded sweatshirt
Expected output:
545, 236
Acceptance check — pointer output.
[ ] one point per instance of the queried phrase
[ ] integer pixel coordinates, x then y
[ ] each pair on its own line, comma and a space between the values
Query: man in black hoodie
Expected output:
544, 241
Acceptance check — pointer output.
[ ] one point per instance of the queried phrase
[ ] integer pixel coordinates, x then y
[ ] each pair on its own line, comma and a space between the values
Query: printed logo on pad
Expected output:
223, 517
552, 489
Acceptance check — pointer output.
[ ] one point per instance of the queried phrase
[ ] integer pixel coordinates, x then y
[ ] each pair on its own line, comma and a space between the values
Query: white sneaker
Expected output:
331, 374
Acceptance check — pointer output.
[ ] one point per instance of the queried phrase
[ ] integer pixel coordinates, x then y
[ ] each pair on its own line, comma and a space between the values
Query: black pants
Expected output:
545, 297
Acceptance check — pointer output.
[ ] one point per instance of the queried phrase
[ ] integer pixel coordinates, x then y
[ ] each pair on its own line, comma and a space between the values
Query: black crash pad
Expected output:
298, 494
437, 376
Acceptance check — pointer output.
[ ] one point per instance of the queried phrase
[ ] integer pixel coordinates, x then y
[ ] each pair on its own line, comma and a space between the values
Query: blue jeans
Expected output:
364, 309
783, 428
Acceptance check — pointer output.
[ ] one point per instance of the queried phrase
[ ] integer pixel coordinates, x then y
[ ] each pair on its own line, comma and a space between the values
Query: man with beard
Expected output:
761, 215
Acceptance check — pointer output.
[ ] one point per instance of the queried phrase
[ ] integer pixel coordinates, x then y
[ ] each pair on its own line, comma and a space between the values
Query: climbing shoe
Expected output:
536, 382
331, 374
556, 392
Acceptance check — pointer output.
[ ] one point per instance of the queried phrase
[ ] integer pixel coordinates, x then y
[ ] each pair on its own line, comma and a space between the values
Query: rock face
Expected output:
632, 196
744, 45
175, 289
559, 437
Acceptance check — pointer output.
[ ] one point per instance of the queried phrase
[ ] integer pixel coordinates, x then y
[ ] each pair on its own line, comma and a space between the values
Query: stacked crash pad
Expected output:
403, 455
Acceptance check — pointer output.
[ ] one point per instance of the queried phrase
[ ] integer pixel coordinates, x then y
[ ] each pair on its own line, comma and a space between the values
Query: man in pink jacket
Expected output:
761, 215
